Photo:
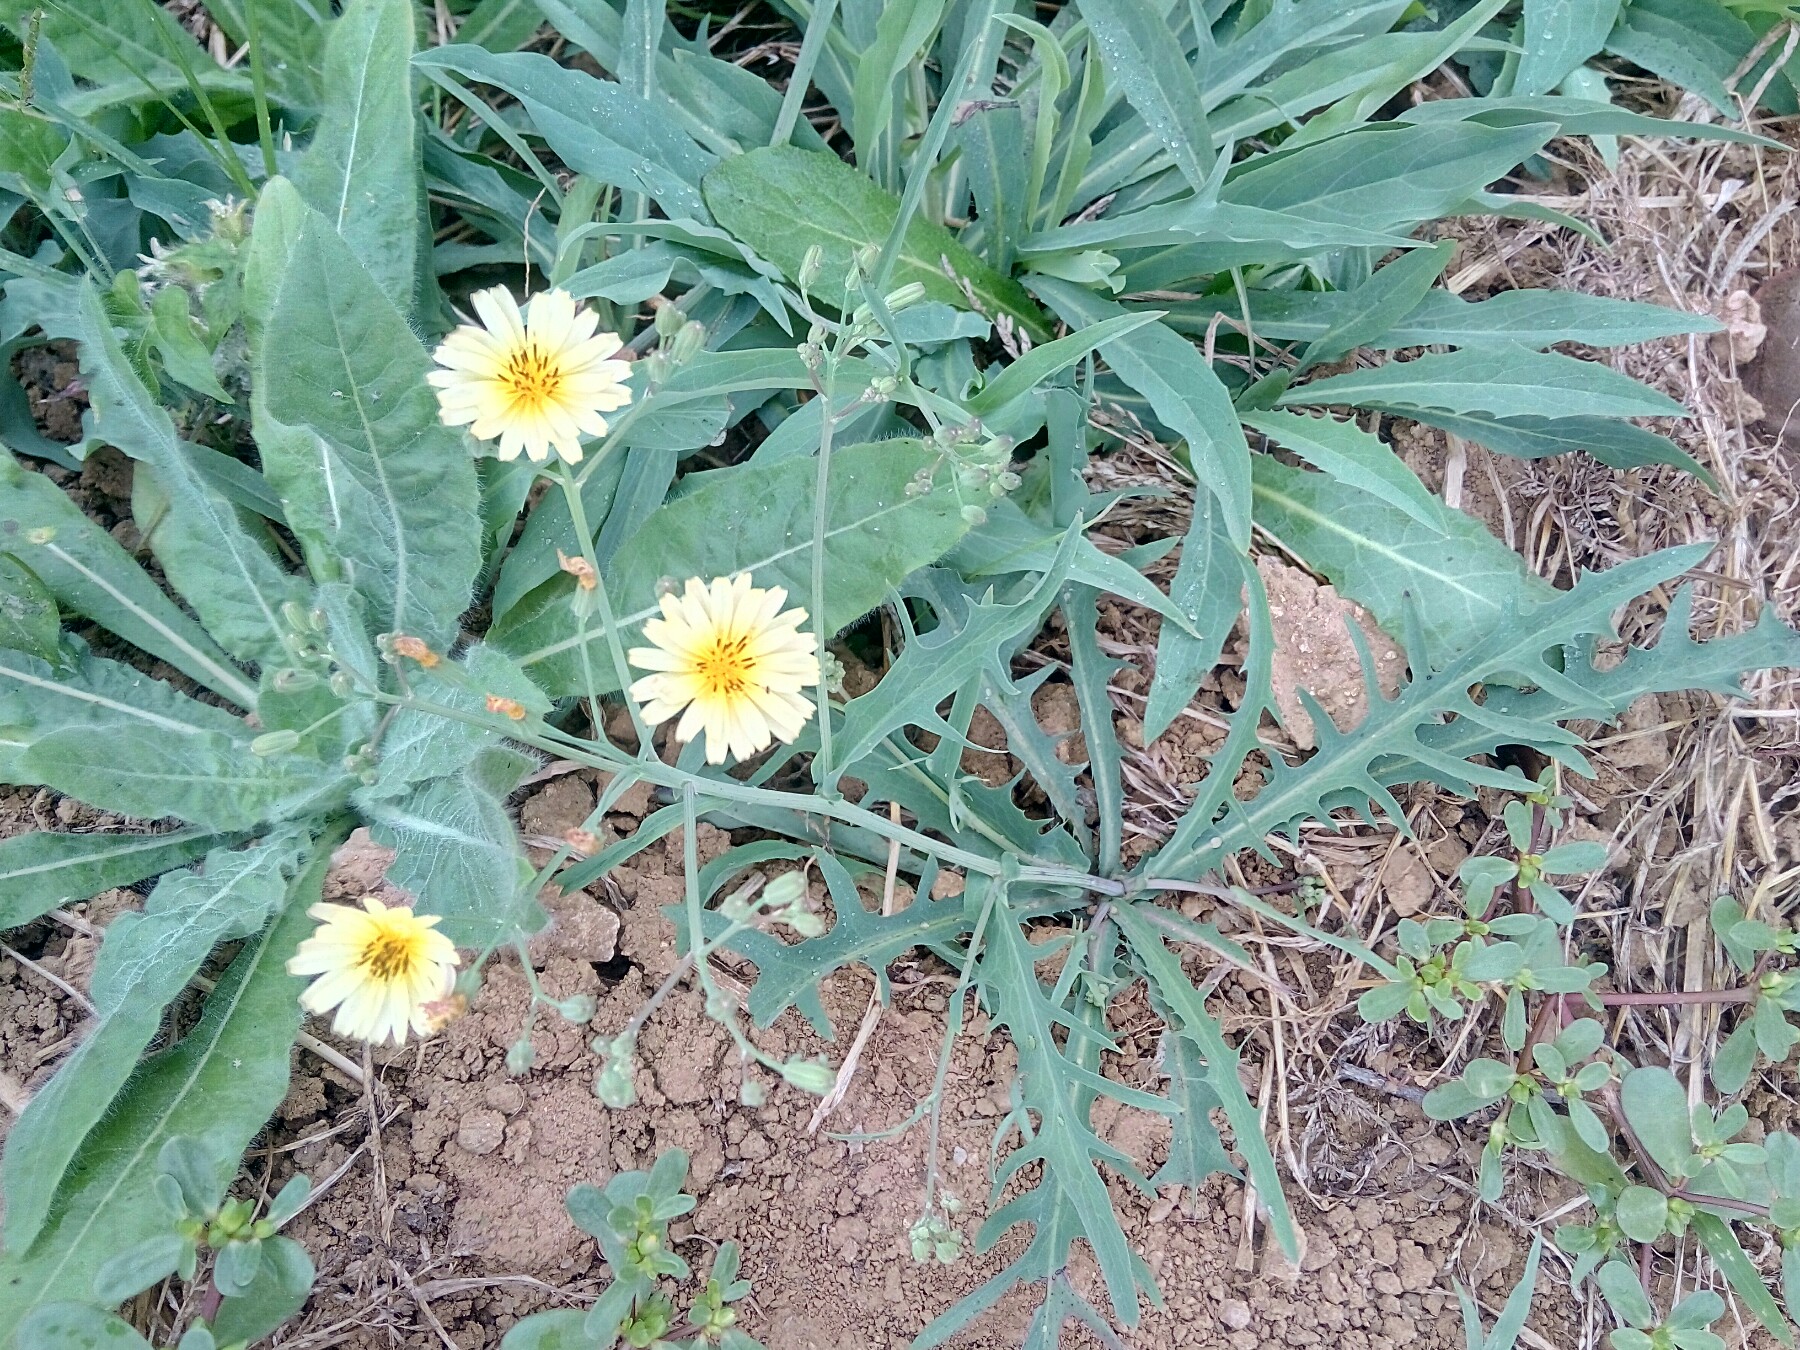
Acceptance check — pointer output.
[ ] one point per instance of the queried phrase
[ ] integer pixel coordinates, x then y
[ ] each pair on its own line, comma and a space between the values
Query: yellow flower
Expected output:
382, 969
536, 381
729, 655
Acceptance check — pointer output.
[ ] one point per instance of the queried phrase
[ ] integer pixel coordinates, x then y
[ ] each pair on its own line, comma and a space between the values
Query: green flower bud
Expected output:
520, 1056
752, 1093
903, 296
275, 743
809, 1076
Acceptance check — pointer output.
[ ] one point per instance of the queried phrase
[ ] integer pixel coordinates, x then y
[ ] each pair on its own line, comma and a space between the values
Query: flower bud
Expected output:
577, 1007
974, 515
669, 320
341, 684
294, 681
809, 1076
810, 267
613, 1085
275, 743
520, 1056
752, 1093
784, 890
293, 614
903, 296
688, 343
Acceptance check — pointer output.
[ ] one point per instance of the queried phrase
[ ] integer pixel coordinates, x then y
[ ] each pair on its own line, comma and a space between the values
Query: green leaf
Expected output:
1050, 359
87, 572
1386, 177
1528, 318
292, 38
1722, 1245
1624, 1294
1459, 577
757, 519
86, 691
595, 127
126, 43
561, 1329
219, 1084
40, 872
284, 1278
1642, 1213
374, 485
781, 201
76, 1326
149, 772
1147, 64
29, 621
1617, 444
1208, 589
1731, 1067
146, 959
1192, 1020
421, 745
1354, 457
1185, 394
1583, 855
1559, 36
1695, 44
361, 172
902, 32
1655, 1103
1195, 1149
137, 1268
456, 848
229, 577
1369, 311
1501, 380
501, 25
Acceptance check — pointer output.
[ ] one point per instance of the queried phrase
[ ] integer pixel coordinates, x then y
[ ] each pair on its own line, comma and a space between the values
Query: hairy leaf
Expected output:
146, 959
149, 772
756, 519
40, 872
781, 201
218, 1085
229, 577
1461, 579
361, 172
375, 486
84, 568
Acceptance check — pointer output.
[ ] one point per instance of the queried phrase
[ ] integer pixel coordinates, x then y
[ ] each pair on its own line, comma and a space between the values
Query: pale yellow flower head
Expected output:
535, 381
731, 663
383, 969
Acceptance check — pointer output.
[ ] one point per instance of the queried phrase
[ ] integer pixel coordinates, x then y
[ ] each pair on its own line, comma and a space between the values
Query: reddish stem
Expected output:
1675, 998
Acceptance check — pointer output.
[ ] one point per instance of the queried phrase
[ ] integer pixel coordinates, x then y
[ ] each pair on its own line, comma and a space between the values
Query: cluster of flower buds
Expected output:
615, 1083
679, 340
933, 1239
304, 640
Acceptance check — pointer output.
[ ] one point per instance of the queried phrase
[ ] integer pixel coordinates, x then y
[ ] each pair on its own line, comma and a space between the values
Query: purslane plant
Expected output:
852, 391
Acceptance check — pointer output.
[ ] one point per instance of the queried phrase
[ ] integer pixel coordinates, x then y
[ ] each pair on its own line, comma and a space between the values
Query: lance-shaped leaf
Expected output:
40, 872
361, 171
1184, 393
782, 201
217, 1086
379, 491
758, 519
595, 127
1461, 579
146, 959
87, 572
1208, 589
1145, 61
228, 576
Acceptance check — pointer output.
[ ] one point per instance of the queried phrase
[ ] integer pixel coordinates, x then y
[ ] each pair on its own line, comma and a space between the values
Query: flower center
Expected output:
532, 376
723, 667
387, 956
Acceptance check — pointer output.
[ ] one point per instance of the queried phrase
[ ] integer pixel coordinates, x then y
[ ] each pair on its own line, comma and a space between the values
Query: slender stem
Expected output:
997, 892
265, 136
812, 46
571, 487
827, 427
1677, 998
